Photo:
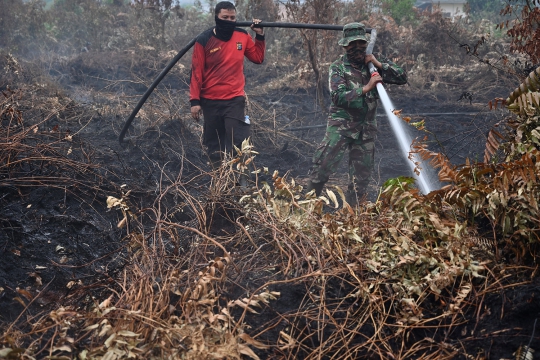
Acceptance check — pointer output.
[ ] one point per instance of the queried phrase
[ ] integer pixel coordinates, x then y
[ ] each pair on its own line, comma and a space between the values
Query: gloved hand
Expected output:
258, 30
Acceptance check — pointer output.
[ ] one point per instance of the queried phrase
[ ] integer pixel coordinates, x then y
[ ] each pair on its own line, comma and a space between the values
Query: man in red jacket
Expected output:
217, 80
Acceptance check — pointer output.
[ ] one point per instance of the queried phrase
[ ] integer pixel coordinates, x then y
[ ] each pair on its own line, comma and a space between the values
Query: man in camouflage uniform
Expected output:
352, 124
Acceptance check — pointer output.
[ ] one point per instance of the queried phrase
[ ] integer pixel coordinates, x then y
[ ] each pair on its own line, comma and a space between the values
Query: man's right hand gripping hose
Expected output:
374, 80
376, 77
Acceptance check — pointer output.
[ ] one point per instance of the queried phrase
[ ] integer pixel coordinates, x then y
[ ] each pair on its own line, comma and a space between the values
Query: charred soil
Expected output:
64, 245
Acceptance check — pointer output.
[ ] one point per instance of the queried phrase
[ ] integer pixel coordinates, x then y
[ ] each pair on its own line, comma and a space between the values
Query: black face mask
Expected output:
356, 56
224, 29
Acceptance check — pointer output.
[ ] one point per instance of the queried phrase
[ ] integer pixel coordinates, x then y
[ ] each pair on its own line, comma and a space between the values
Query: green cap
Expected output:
352, 32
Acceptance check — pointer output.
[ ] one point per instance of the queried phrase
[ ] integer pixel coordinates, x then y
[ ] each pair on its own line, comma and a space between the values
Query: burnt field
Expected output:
141, 250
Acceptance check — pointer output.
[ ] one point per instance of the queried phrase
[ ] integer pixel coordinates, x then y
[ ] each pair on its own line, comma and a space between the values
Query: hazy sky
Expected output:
191, 2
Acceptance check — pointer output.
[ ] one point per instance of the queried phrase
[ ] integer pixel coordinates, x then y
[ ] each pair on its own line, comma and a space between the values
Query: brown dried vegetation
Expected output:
523, 29
213, 272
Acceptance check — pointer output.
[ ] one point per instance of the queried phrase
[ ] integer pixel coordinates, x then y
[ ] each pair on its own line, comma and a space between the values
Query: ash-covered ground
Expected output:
60, 244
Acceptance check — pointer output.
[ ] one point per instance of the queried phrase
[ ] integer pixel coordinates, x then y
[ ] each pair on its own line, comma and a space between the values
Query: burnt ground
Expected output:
61, 245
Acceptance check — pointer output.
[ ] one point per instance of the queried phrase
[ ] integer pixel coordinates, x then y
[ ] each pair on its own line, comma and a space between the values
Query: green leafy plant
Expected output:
400, 10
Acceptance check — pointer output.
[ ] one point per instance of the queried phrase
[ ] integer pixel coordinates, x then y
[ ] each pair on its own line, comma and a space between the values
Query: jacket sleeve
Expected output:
391, 73
197, 67
341, 96
255, 49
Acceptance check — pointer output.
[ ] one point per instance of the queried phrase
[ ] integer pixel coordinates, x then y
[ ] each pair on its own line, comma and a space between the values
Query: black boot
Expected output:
317, 186
351, 197
354, 194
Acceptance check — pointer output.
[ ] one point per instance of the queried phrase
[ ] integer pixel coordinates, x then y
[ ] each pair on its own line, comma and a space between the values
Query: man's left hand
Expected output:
258, 30
371, 58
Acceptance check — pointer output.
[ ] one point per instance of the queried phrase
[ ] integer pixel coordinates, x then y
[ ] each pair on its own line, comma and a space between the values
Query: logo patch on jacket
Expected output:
238, 46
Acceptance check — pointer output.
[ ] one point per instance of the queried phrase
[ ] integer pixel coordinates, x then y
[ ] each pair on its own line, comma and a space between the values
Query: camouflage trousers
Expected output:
361, 157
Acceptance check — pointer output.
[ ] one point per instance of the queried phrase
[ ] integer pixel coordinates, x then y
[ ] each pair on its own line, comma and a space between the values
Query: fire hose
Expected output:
182, 52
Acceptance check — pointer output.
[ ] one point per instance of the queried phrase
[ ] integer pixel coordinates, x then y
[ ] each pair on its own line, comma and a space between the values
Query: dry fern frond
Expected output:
525, 99
481, 242
447, 172
492, 144
524, 353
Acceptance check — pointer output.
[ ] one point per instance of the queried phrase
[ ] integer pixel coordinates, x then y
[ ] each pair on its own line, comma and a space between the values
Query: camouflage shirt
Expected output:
350, 110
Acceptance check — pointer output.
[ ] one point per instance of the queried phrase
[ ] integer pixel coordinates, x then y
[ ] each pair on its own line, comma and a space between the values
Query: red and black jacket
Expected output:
217, 67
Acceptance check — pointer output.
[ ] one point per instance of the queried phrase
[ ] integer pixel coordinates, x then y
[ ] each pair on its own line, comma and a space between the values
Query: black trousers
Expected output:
224, 125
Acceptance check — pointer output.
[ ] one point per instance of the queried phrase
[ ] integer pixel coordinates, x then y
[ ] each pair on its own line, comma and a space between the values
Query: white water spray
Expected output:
404, 139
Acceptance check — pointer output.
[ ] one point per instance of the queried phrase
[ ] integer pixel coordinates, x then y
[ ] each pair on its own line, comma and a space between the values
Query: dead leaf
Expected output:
25, 293
106, 303
110, 340
36, 276
91, 327
127, 333
112, 202
122, 223
332, 197
20, 301
245, 350
82, 355
104, 330
5, 352
249, 340
62, 348
73, 283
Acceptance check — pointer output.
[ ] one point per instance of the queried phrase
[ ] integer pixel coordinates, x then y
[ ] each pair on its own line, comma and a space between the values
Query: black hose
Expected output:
293, 25
152, 87
192, 42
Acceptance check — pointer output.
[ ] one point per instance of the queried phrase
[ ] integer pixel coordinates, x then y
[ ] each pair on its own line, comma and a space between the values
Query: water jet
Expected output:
403, 138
